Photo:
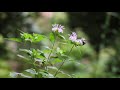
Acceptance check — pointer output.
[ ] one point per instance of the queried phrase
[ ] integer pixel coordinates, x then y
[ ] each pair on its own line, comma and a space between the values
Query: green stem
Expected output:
34, 65
36, 76
50, 53
63, 62
32, 58
52, 49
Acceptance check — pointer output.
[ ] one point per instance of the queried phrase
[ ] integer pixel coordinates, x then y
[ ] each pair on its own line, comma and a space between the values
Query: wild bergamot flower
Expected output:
58, 28
73, 37
78, 42
81, 41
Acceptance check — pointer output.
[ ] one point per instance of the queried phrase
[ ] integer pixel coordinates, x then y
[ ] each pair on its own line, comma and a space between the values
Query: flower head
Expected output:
78, 42
58, 28
83, 41
73, 37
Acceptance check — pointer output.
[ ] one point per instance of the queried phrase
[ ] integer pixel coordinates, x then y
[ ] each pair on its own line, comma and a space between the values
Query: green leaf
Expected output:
61, 36
47, 48
15, 75
63, 43
51, 67
26, 51
38, 37
15, 39
27, 60
65, 56
32, 37
38, 60
53, 56
74, 61
21, 56
50, 75
46, 74
64, 74
41, 53
57, 60
24, 76
31, 71
52, 37
59, 50
69, 42
26, 36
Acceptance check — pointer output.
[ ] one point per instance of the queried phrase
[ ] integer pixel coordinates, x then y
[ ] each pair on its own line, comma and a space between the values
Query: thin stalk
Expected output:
36, 69
52, 48
63, 62
34, 65
50, 53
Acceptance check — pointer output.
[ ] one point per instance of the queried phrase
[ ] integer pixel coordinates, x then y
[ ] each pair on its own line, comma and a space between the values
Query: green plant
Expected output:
46, 63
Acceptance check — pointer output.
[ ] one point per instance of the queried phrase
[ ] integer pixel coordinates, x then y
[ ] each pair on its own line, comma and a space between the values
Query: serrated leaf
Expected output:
38, 38
26, 36
52, 37
32, 71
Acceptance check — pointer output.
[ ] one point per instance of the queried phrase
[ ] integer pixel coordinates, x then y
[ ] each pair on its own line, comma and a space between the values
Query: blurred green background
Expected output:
99, 58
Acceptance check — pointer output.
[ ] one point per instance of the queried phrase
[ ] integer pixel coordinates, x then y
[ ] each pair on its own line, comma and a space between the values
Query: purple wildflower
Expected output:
57, 27
73, 37
81, 41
